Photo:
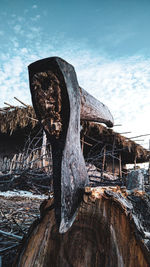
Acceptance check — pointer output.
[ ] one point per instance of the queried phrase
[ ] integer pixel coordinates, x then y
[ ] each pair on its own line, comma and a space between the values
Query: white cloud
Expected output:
15, 42
122, 84
26, 11
12, 81
36, 18
35, 29
20, 19
17, 28
34, 6
24, 50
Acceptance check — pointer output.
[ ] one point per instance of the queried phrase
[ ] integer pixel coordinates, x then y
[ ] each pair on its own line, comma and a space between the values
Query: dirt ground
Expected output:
16, 216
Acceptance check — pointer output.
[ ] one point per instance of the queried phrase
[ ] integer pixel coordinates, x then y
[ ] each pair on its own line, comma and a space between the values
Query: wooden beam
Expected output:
93, 110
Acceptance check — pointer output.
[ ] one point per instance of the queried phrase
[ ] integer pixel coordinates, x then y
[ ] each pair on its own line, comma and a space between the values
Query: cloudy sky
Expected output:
108, 42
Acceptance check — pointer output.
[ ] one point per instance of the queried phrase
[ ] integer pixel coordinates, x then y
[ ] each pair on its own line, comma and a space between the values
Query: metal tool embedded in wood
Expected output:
60, 104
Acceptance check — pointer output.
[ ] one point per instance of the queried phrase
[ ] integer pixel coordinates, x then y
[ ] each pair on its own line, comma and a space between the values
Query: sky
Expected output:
108, 43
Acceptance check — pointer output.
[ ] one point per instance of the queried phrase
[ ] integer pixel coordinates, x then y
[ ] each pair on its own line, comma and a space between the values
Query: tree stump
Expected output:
104, 234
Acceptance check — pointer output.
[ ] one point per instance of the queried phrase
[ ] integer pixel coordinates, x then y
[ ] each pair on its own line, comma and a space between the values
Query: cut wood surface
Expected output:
107, 232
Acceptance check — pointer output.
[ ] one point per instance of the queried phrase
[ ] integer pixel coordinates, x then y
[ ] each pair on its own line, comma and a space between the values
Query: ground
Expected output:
16, 216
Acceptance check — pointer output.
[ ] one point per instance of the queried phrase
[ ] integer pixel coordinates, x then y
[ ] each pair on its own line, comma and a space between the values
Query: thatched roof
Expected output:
127, 148
14, 118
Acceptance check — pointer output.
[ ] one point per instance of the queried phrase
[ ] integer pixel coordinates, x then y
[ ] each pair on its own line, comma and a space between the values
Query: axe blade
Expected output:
56, 101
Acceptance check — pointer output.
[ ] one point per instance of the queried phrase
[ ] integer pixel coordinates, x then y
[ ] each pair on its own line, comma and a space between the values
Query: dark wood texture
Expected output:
50, 80
58, 102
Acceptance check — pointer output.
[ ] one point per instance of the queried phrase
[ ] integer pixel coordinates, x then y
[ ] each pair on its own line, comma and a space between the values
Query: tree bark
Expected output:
105, 233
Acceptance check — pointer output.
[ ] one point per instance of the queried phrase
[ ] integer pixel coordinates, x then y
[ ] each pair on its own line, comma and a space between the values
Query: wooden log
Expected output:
106, 232
93, 110
58, 103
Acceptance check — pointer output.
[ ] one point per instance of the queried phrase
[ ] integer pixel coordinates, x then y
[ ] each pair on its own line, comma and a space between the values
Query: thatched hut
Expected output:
18, 125
107, 149
113, 150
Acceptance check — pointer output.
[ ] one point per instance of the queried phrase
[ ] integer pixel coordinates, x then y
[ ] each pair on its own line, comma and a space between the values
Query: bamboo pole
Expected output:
139, 136
21, 102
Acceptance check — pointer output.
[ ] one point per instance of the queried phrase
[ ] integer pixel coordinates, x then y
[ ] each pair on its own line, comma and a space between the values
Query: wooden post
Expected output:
135, 163
104, 158
120, 166
43, 150
12, 164
82, 144
113, 160
18, 161
31, 158
149, 166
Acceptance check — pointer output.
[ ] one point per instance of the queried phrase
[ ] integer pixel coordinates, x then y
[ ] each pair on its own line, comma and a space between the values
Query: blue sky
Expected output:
108, 42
